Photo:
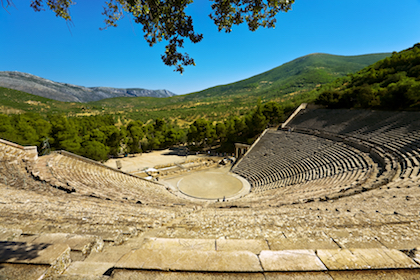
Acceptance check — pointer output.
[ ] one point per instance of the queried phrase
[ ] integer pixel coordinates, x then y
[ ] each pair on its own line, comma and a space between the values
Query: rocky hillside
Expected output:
70, 93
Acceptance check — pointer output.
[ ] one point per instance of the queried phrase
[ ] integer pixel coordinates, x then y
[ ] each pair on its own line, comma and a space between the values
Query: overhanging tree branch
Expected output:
166, 19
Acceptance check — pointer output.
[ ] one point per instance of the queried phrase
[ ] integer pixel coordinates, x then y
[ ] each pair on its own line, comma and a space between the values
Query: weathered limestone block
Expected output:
374, 258
254, 246
301, 244
34, 228
83, 243
362, 243
123, 274
376, 274
297, 276
179, 244
109, 255
57, 256
400, 242
59, 265
26, 238
22, 271
86, 268
189, 260
9, 234
291, 260
341, 259
31, 253
385, 258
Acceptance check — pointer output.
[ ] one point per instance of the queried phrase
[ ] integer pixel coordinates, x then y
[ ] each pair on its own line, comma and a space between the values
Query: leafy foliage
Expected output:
392, 83
99, 137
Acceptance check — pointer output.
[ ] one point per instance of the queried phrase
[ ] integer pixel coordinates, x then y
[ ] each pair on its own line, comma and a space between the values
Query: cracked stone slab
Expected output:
376, 274
188, 260
22, 271
253, 245
297, 276
32, 253
74, 241
28, 238
108, 255
400, 243
374, 258
385, 258
123, 274
291, 260
179, 244
358, 243
301, 244
341, 259
86, 268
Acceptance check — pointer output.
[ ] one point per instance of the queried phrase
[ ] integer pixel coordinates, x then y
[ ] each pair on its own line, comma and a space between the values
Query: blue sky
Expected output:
81, 54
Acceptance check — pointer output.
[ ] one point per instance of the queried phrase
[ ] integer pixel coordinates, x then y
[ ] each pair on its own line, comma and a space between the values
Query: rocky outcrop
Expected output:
70, 93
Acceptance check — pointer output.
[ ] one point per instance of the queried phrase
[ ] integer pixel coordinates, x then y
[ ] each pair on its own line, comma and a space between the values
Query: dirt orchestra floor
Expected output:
215, 183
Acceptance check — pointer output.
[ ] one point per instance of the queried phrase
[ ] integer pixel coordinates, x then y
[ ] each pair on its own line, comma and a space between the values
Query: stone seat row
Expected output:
398, 130
282, 154
98, 181
289, 169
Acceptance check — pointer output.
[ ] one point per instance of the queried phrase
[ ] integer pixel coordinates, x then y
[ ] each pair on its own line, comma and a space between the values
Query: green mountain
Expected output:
303, 73
290, 83
14, 101
392, 83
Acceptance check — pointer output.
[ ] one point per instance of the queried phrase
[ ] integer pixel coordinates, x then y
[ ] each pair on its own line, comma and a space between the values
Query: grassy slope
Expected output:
302, 73
291, 81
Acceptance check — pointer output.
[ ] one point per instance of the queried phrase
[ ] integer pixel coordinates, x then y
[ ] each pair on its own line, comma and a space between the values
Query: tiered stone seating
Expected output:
15, 160
89, 178
302, 166
396, 133
70, 220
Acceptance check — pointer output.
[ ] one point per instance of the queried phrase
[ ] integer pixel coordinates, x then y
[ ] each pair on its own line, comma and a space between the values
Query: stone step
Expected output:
190, 260
83, 243
198, 255
291, 260
52, 258
373, 258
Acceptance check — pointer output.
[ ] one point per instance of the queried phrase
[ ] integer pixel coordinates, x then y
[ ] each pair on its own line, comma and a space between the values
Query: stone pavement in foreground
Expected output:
69, 256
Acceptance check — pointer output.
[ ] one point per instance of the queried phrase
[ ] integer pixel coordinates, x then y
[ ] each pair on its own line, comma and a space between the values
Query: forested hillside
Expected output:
99, 137
392, 84
301, 74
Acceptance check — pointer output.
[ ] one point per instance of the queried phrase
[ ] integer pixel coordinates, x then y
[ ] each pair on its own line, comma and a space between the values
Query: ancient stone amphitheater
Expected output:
334, 194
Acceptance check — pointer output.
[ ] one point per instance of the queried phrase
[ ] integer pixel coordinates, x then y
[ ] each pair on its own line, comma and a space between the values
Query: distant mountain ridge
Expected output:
70, 93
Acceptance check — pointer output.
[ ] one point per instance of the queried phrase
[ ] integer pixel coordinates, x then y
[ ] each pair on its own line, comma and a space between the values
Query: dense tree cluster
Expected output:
95, 137
235, 129
392, 83
101, 136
